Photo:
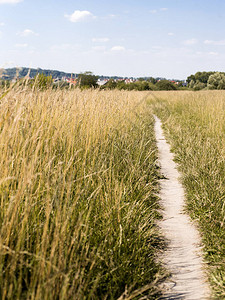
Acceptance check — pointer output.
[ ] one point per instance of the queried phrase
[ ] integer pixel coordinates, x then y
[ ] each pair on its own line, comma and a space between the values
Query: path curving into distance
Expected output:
182, 257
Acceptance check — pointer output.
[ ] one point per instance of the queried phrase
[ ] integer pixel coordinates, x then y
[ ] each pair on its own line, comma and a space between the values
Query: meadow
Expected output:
78, 195
194, 124
79, 189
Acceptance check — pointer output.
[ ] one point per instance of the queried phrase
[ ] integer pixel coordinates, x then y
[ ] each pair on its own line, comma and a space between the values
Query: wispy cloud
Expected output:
155, 11
170, 33
2, 23
27, 32
100, 40
190, 42
108, 17
207, 53
80, 16
10, 1
213, 53
215, 43
21, 45
118, 49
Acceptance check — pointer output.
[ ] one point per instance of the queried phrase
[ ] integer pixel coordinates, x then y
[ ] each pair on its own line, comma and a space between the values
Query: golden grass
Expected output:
77, 195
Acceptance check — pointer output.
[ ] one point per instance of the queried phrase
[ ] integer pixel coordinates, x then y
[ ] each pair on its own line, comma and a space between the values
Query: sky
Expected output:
163, 38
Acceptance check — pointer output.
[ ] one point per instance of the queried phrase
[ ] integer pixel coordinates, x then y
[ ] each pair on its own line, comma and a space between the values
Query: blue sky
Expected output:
168, 38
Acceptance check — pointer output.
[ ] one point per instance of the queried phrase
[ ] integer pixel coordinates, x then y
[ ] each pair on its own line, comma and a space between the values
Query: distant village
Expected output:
13, 74
103, 80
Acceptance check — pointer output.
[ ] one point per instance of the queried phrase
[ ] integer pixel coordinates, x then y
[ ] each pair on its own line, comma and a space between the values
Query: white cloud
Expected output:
21, 45
10, 1
100, 40
80, 15
2, 23
170, 33
190, 42
207, 53
108, 17
213, 53
27, 32
215, 43
118, 48
154, 11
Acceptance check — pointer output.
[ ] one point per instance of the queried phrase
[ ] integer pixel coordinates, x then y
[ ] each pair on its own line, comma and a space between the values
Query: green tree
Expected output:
198, 77
141, 79
87, 80
199, 86
42, 82
111, 84
152, 80
191, 79
216, 81
121, 85
151, 86
165, 85
191, 84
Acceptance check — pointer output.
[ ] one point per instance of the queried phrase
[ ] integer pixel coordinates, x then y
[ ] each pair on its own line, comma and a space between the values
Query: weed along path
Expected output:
182, 257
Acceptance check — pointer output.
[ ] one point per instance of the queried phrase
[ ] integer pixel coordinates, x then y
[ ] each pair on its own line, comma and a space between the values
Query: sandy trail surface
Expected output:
183, 255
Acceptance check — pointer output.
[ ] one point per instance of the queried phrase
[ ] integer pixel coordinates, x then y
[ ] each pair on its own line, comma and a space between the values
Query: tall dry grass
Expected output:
78, 183
195, 125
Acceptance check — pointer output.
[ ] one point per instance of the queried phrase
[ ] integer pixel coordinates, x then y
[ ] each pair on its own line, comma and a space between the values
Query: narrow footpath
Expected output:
183, 255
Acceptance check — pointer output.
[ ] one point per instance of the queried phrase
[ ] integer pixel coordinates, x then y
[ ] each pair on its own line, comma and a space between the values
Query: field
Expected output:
78, 201
79, 184
195, 126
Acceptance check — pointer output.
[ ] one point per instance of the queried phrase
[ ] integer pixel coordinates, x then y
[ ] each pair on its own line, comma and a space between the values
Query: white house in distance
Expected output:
101, 82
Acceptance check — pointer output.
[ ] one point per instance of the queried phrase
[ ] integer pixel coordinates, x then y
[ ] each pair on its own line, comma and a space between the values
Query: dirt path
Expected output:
183, 256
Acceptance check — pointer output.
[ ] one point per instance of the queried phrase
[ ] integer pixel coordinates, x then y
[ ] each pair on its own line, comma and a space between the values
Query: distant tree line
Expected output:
207, 80
140, 85
88, 80
45, 79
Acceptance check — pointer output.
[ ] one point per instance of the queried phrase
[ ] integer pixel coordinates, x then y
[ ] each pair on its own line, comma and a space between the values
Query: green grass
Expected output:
78, 202
195, 126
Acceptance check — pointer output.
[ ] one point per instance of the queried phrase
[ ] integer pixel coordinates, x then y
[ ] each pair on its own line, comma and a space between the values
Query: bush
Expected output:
87, 80
199, 86
165, 85
216, 81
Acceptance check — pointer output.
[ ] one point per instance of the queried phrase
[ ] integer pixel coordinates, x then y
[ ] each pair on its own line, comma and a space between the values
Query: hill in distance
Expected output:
12, 73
